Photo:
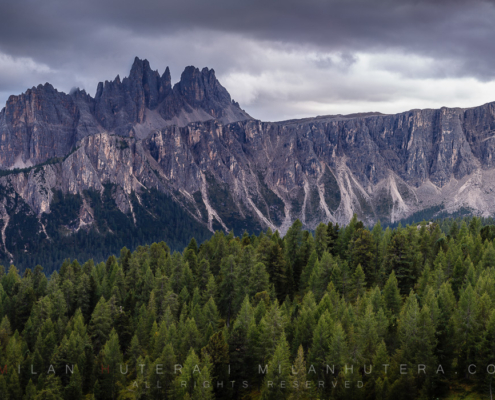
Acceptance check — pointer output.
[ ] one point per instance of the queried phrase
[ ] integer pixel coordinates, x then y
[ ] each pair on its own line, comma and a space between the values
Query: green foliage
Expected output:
348, 297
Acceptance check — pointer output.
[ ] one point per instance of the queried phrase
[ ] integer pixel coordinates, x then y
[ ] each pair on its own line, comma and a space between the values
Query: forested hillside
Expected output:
346, 313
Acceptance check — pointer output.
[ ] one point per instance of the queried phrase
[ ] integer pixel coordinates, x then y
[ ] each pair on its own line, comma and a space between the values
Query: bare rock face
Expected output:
141, 137
37, 125
119, 105
43, 123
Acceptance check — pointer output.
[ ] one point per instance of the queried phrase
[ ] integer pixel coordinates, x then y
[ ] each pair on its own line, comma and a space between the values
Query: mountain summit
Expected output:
144, 161
44, 123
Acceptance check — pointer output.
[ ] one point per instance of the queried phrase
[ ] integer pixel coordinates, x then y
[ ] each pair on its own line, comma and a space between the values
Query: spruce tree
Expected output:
358, 284
100, 324
321, 239
392, 298
466, 328
109, 374
194, 381
73, 391
299, 378
228, 288
278, 380
293, 240
306, 323
361, 252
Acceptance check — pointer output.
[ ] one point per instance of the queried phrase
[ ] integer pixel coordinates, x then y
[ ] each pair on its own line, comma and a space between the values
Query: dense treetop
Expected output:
344, 313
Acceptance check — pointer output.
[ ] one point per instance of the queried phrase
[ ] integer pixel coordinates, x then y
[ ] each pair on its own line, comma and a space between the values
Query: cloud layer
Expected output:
279, 59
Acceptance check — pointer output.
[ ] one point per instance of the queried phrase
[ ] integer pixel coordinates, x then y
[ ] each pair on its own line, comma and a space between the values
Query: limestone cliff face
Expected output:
37, 125
240, 175
43, 123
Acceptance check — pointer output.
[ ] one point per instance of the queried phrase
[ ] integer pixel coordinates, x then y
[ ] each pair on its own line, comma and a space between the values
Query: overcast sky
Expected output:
279, 59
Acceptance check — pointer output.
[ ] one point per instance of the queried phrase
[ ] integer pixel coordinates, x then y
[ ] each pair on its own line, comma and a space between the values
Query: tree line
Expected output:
341, 313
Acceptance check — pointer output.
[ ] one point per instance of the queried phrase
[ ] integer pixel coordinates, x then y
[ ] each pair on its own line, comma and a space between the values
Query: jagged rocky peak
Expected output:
119, 103
155, 87
198, 96
201, 90
44, 123
144, 88
197, 86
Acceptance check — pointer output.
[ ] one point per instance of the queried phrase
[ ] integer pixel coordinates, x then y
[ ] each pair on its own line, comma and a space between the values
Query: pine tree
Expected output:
30, 393
345, 236
293, 241
306, 323
425, 280
488, 259
14, 388
333, 235
259, 281
100, 324
380, 359
218, 351
191, 338
278, 380
194, 381
475, 226
211, 289
3, 387
241, 345
400, 259
391, 297
109, 375
323, 272
486, 354
210, 314
321, 341
454, 230
321, 239
51, 390
74, 390
368, 334
308, 270
169, 360
191, 259
361, 249
358, 284
227, 288
204, 275
337, 349
458, 276
278, 270
272, 327
193, 245
299, 378
466, 328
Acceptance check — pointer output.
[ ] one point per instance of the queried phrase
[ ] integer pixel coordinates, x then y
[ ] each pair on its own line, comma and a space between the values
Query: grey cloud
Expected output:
451, 30
88, 41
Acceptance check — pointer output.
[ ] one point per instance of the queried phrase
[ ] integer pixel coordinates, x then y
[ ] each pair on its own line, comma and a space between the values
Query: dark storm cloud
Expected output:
459, 31
96, 39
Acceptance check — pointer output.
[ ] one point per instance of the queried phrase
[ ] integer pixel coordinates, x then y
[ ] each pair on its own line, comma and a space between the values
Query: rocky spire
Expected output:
118, 106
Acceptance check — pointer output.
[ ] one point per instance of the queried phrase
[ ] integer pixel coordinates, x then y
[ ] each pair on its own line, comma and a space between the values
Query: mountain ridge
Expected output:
247, 174
43, 123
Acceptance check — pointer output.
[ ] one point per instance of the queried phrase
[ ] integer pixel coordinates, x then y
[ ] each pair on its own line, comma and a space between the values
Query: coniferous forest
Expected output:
341, 313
